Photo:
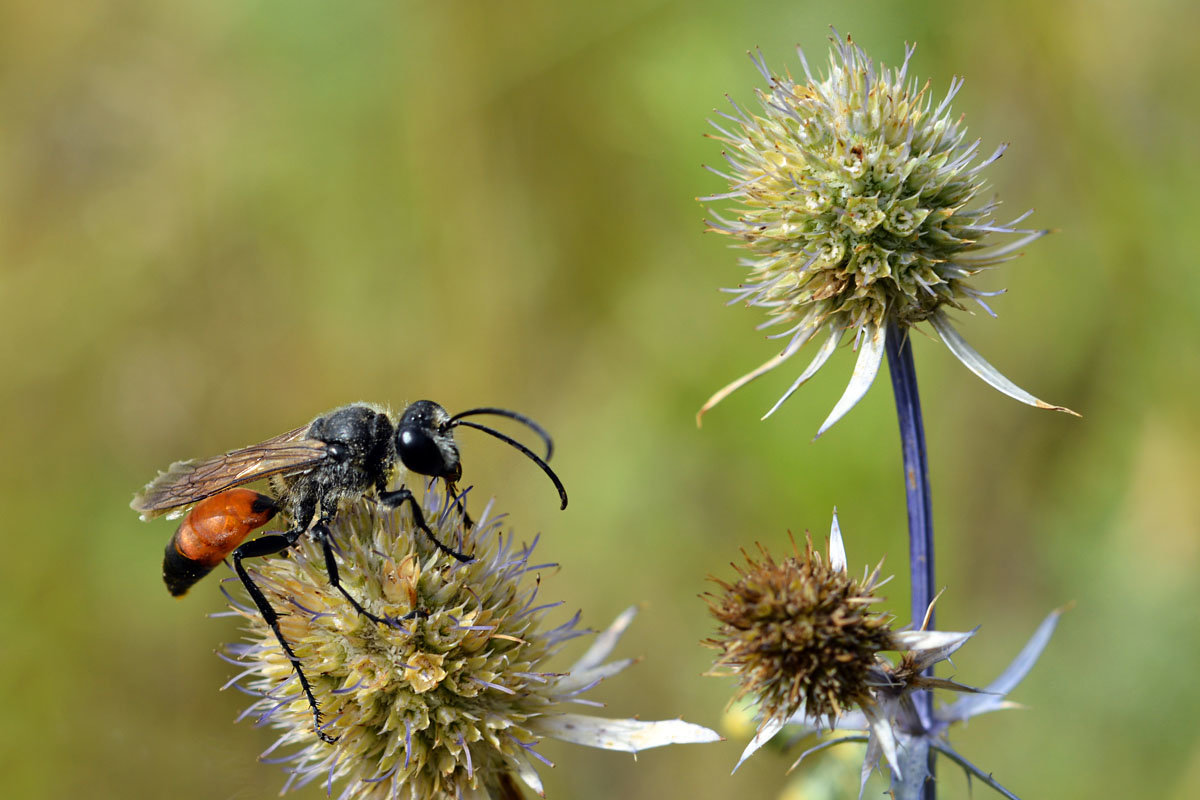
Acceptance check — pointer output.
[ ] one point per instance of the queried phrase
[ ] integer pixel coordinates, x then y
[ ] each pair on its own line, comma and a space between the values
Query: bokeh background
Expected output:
218, 219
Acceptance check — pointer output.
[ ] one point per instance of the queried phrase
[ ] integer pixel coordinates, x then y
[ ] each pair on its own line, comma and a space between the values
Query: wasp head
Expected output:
425, 443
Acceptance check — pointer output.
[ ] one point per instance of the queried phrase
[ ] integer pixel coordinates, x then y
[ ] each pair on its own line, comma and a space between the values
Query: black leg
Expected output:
265, 546
320, 532
400, 497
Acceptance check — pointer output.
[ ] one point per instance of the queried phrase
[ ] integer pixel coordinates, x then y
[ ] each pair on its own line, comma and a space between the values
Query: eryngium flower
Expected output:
860, 206
455, 703
801, 639
810, 625
799, 633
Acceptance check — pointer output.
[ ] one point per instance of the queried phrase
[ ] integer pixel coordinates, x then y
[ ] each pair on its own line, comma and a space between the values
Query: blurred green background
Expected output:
218, 219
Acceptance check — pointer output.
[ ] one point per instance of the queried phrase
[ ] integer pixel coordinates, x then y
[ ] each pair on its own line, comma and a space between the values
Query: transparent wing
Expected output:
186, 482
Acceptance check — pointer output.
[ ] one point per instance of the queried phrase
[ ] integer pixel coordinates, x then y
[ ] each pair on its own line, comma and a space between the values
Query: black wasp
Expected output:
346, 454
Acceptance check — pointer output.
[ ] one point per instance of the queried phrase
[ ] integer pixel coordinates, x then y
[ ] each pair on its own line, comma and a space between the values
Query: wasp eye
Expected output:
419, 452
338, 451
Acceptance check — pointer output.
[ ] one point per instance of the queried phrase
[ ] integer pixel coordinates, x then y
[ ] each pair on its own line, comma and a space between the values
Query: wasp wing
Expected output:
187, 482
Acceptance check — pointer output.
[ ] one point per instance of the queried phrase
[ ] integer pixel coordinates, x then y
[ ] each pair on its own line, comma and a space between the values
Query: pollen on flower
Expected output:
449, 703
798, 633
424, 671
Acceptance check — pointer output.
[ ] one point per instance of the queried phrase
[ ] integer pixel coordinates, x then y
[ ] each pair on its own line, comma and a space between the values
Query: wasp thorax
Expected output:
353, 433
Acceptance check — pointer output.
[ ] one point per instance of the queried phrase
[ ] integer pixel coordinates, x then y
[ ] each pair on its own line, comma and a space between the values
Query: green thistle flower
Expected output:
452, 705
856, 202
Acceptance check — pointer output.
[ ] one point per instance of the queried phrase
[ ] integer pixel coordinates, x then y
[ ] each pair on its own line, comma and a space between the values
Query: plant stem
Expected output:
917, 495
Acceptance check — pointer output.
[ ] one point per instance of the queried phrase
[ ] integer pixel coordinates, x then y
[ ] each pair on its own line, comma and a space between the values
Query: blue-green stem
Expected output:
916, 492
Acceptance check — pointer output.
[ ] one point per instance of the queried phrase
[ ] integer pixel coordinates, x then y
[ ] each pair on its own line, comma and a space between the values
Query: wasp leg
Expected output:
320, 532
400, 497
265, 546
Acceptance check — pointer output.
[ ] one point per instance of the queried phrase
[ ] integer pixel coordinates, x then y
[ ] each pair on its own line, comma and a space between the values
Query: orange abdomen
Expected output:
211, 531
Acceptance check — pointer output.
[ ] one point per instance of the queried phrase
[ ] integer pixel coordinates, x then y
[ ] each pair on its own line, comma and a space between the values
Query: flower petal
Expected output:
625, 735
992, 696
865, 370
977, 364
837, 548
765, 733
581, 679
1028, 656
870, 761
605, 642
930, 647
528, 774
757, 372
881, 733
823, 354
926, 682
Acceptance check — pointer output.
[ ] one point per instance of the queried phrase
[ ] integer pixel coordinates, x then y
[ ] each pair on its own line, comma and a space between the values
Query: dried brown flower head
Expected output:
799, 633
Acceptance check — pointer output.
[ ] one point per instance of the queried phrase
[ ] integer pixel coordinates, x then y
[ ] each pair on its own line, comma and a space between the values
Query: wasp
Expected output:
349, 453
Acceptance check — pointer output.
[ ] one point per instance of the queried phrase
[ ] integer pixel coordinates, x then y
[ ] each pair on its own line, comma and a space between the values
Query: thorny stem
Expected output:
916, 492
971, 769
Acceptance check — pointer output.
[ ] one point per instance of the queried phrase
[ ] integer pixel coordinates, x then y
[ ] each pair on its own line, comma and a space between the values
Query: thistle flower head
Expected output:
803, 645
859, 203
799, 633
452, 704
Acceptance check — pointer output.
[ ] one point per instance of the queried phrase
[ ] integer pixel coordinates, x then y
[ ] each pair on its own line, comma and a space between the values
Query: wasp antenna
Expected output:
504, 412
562, 492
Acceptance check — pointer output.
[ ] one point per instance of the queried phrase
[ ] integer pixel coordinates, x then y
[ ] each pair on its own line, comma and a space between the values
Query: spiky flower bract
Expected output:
893, 728
860, 205
452, 703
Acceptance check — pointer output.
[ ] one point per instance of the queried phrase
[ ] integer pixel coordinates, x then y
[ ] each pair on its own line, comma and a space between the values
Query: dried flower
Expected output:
799, 638
856, 196
799, 633
455, 703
